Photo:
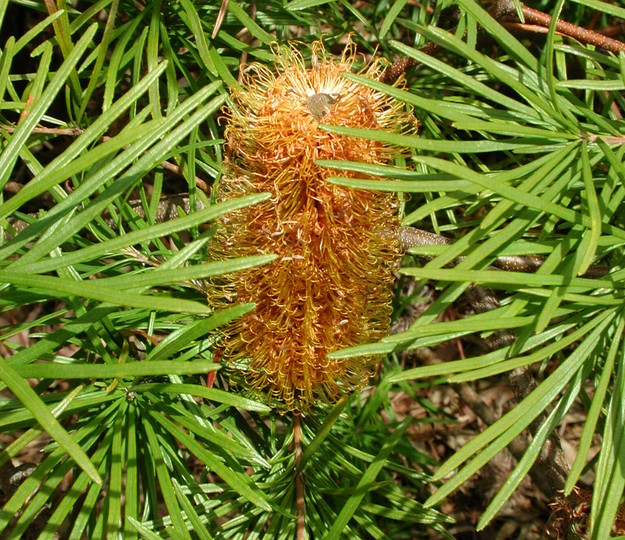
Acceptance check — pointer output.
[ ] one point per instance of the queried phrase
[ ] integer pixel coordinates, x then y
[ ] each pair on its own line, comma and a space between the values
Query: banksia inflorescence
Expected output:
330, 286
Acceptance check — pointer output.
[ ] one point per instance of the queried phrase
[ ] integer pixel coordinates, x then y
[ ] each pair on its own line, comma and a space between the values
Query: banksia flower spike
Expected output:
330, 286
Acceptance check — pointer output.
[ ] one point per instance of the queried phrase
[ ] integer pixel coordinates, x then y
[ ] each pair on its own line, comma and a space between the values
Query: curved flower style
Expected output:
330, 286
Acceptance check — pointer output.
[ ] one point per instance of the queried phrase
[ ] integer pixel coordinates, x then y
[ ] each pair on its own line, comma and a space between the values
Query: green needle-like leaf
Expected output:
46, 420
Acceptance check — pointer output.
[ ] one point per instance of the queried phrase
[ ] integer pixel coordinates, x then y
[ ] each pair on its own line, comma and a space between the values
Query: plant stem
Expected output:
531, 15
299, 478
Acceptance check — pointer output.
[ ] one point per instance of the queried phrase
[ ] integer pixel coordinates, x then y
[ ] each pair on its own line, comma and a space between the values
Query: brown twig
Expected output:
523, 27
572, 30
533, 16
175, 169
71, 131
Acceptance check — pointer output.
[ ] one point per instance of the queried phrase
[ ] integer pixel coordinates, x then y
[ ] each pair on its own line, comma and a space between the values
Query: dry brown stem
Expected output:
300, 492
532, 16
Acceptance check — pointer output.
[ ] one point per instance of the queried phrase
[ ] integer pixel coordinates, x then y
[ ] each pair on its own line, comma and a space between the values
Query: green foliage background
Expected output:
520, 152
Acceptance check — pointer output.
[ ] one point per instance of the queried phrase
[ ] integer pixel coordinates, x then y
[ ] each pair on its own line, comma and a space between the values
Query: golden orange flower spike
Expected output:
330, 286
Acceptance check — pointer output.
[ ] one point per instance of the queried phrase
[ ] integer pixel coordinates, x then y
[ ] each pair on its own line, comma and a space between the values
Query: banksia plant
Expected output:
109, 425
330, 285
